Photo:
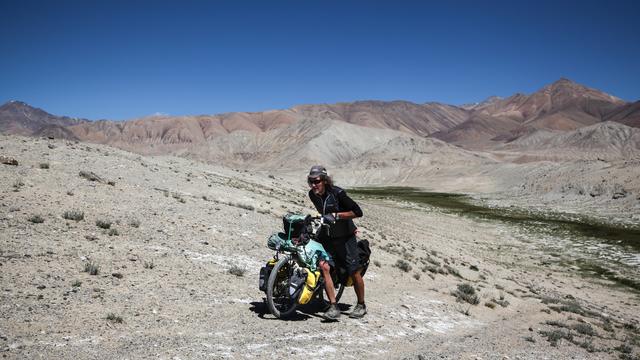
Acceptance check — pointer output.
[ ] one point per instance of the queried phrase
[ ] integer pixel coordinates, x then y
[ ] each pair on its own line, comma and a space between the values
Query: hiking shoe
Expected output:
333, 313
359, 311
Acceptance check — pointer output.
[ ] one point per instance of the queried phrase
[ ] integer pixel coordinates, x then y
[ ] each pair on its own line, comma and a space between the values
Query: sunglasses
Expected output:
314, 181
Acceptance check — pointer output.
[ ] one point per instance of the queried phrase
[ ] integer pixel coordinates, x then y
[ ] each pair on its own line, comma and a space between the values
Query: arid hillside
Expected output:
110, 254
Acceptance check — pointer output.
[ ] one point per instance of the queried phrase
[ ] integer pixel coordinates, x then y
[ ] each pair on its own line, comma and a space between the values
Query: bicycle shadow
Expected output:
314, 309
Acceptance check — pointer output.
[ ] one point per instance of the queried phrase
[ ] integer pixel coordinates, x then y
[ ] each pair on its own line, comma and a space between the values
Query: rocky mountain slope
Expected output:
605, 141
628, 114
563, 105
19, 118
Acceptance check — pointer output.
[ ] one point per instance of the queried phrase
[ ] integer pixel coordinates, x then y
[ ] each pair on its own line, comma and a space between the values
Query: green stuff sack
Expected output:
293, 224
278, 241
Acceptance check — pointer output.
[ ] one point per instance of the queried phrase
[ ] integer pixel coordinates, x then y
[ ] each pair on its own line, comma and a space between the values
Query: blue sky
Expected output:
125, 59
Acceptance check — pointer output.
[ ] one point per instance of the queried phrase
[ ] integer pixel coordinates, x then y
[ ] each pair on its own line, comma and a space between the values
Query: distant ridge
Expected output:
563, 105
605, 141
256, 138
17, 117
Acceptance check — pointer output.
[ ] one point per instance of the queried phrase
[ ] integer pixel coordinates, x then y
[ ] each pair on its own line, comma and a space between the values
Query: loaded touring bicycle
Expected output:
292, 277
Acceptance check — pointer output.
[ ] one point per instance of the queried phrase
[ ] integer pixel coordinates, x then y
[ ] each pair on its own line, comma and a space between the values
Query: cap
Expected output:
317, 171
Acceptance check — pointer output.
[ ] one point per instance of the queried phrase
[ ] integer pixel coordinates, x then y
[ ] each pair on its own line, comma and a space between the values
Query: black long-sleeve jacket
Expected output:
335, 199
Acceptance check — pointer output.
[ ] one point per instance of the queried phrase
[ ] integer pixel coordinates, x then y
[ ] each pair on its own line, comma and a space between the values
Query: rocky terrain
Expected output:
144, 238
111, 254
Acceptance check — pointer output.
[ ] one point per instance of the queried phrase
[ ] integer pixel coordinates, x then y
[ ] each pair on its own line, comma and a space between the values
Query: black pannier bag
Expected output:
265, 271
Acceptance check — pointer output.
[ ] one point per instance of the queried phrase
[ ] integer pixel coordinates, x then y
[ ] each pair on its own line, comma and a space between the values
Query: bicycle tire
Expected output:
339, 291
279, 301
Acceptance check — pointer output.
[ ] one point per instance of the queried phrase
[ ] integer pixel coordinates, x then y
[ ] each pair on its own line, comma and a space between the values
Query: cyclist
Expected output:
337, 209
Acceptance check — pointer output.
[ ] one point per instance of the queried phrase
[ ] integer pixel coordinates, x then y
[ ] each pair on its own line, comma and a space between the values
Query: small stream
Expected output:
601, 250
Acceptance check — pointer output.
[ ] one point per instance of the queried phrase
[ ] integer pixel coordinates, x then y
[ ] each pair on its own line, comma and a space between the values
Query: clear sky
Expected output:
125, 59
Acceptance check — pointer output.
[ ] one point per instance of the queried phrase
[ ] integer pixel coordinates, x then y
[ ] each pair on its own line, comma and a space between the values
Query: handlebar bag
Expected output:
293, 224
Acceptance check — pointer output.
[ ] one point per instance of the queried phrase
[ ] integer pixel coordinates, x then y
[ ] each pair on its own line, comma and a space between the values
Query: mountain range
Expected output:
343, 132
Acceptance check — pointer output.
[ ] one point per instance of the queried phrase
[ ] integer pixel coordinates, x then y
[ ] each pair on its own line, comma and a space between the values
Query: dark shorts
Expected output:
344, 250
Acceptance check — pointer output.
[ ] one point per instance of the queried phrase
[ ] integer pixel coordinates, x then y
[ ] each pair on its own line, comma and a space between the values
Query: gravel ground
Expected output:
163, 288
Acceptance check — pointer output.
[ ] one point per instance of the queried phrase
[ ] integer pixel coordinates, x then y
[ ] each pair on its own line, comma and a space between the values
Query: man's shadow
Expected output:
314, 309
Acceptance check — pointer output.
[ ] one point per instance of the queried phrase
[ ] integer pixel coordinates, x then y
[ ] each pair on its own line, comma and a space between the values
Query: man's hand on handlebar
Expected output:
329, 218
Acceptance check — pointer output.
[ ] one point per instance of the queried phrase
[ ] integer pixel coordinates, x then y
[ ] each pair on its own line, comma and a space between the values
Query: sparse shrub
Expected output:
574, 307
466, 311
490, 304
103, 224
584, 329
416, 276
606, 325
91, 268
117, 275
236, 270
244, 206
403, 265
36, 219
554, 336
113, 232
587, 344
624, 348
430, 268
453, 271
530, 339
70, 192
114, 318
76, 283
76, 215
433, 261
377, 263
556, 323
466, 292
502, 302
149, 265
44, 165
17, 185
134, 223
474, 268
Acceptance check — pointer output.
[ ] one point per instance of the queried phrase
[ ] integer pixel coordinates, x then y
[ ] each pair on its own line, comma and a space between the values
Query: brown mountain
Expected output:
562, 96
605, 140
165, 134
479, 131
628, 114
171, 134
419, 119
19, 118
563, 105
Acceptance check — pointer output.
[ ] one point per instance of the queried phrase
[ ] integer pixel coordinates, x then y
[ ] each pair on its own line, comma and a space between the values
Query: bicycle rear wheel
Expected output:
279, 302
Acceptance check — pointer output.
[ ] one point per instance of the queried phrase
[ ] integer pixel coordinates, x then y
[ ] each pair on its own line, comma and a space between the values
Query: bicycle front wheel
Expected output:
279, 302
